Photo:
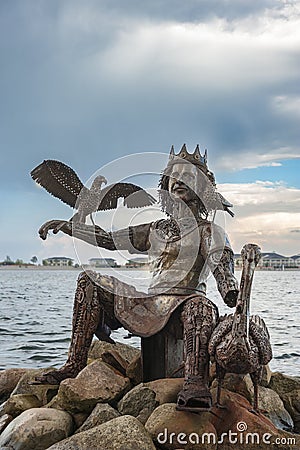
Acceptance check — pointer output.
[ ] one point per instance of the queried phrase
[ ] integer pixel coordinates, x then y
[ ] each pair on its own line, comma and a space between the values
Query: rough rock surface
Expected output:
4, 421
266, 376
288, 388
283, 383
241, 384
8, 381
139, 402
238, 418
37, 429
101, 413
291, 401
43, 392
166, 389
270, 402
16, 404
127, 352
122, 433
171, 429
96, 383
134, 370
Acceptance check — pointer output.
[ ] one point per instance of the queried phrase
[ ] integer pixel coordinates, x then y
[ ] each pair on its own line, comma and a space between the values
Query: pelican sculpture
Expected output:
240, 343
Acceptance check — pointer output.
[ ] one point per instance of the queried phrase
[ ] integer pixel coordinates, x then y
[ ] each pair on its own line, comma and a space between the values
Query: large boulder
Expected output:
273, 407
44, 393
139, 402
283, 383
8, 381
4, 421
134, 370
16, 404
37, 429
101, 413
236, 422
127, 352
288, 388
96, 383
266, 376
291, 401
122, 433
241, 384
171, 429
166, 389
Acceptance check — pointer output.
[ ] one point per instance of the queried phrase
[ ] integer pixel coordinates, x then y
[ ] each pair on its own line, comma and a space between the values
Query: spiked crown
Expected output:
195, 158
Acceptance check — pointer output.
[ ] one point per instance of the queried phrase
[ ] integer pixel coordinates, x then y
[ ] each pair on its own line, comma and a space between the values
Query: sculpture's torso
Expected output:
175, 258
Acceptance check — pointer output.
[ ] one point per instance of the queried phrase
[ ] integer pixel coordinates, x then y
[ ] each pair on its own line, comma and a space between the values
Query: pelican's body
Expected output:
240, 343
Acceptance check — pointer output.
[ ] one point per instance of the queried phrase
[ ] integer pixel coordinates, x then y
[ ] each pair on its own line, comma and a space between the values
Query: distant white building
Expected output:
272, 260
58, 261
103, 262
138, 262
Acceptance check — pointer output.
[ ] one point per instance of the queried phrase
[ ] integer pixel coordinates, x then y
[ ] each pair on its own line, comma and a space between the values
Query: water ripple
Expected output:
36, 314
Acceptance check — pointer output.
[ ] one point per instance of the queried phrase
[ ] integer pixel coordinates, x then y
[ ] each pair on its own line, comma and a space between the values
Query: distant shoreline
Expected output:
31, 267
80, 268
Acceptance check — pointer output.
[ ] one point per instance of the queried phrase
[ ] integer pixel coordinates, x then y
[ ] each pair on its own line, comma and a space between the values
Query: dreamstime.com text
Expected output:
239, 436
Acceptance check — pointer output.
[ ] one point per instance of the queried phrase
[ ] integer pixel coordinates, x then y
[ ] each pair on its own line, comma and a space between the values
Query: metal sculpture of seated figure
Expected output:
182, 248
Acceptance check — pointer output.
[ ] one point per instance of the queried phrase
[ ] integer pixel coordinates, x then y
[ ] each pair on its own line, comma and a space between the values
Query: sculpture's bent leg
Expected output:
199, 318
89, 318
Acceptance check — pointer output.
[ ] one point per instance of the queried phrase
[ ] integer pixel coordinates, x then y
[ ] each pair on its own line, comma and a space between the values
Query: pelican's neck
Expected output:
241, 315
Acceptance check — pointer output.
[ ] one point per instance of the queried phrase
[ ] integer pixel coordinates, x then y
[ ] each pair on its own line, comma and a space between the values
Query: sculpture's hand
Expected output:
55, 225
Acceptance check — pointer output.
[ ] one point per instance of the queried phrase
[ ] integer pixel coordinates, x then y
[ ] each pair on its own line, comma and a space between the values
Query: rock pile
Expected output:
107, 407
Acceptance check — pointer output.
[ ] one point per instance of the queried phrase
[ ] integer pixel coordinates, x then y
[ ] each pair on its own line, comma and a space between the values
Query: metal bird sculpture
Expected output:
241, 344
62, 182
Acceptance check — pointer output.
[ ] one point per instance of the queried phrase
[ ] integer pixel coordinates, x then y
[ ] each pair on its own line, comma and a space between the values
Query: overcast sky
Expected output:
87, 82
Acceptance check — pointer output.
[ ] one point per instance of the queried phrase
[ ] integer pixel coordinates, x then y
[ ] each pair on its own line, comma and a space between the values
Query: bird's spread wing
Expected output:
59, 180
134, 196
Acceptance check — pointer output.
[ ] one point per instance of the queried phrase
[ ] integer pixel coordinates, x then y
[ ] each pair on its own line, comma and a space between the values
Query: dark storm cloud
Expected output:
190, 11
88, 82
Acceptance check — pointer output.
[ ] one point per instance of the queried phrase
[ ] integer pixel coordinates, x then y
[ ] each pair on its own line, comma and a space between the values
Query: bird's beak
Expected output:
104, 180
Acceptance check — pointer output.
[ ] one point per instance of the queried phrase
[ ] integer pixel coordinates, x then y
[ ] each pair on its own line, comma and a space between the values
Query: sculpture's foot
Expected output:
55, 377
194, 396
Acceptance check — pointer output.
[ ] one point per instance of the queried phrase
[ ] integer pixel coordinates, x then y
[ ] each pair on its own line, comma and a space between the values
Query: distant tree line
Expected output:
18, 262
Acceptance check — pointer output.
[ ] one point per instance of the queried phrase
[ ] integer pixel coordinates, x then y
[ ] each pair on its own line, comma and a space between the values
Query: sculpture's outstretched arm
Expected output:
134, 239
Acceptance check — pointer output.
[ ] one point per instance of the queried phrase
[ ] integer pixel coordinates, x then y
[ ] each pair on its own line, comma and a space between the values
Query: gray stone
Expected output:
127, 352
139, 402
273, 407
283, 384
166, 426
134, 370
291, 401
4, 421
101, 413
37, 429
122, 433
266, 376
166, 389
96, 383
241, 384
16, 404
43, 392
8, 381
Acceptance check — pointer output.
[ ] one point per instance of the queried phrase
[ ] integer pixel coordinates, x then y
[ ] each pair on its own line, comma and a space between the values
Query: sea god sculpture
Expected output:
183, 248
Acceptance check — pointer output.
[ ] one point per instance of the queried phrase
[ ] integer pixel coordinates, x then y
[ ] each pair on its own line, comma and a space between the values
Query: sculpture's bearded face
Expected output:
186, 182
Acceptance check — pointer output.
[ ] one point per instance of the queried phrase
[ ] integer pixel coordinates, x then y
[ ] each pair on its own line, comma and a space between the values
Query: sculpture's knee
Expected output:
86, 291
